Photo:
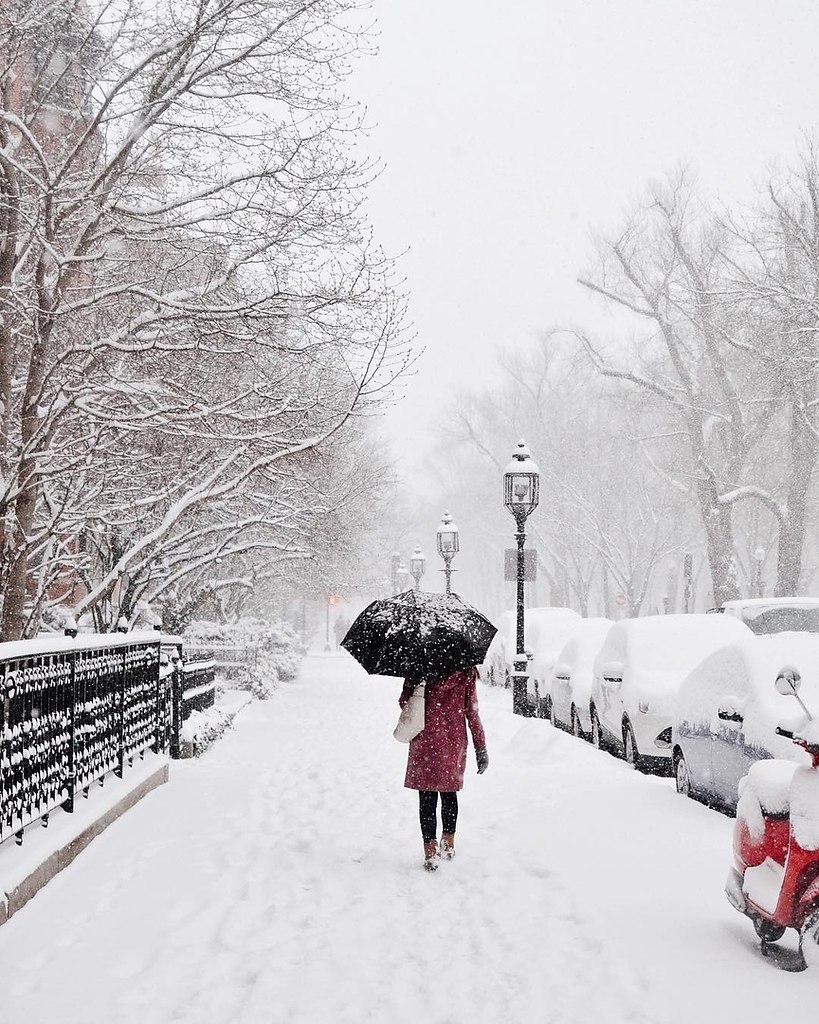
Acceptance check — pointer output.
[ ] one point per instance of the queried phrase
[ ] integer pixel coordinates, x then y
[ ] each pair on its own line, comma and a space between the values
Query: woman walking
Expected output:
437, 756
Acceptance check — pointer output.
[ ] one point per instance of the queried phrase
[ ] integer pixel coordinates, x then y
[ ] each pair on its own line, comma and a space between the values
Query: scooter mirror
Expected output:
788, 681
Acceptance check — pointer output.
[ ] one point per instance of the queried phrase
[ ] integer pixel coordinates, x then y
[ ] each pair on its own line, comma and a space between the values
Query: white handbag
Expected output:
411, 719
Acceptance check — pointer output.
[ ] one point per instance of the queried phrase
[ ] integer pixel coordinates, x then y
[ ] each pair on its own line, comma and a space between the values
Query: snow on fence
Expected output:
194, 684
235, 660
73, 709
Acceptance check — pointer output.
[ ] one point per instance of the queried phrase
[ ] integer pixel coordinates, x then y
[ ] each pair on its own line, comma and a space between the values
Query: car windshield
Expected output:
783, 620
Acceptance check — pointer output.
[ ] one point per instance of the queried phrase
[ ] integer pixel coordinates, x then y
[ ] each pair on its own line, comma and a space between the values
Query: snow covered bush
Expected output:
201, 728
283, 648
251, 654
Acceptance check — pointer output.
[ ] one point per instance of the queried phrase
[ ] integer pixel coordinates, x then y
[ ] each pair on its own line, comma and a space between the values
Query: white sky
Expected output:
509, 131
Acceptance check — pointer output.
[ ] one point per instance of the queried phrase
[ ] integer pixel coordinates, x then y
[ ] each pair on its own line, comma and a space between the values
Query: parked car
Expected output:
544, 631
728, 710
637, 674
765, 615
547, 630
497, 666
569, 690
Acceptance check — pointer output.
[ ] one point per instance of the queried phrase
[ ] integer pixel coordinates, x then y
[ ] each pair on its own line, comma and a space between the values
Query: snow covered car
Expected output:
547, 631
500, 658
497, 666
728, 710
637, 674
765, 615
569, 690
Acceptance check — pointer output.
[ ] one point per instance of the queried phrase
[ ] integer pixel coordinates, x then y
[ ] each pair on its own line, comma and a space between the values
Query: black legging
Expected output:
428, 812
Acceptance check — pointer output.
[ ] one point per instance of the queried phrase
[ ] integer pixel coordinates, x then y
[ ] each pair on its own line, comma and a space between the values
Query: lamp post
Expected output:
448, 541
759, 558
521, 493
417, 565
331, 600
403, 577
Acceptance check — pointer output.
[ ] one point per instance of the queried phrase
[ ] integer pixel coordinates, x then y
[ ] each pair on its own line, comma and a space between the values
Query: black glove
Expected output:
482, 757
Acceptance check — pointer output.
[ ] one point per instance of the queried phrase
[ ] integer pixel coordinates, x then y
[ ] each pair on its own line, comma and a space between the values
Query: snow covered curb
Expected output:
25, 869
202, 728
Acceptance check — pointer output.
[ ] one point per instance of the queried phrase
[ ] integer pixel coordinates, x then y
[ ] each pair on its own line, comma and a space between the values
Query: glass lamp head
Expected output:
521, 483
447, 537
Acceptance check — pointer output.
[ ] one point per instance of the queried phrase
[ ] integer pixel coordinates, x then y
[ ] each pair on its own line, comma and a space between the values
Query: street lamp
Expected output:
331, 600
417, 565
521, 493
448, 542
759, 558
403, 577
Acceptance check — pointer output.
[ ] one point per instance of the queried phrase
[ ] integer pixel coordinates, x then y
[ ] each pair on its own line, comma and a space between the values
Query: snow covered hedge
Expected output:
201, 728
251, 654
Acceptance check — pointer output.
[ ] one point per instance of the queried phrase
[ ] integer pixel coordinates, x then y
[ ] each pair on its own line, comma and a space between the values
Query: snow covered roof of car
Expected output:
583, 645
744, 671
670, 644
757, 605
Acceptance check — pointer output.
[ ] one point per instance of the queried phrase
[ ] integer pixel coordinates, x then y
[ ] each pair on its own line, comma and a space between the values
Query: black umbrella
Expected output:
419, 635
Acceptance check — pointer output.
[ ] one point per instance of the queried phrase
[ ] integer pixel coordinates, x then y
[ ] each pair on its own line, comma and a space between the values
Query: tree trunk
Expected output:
719, 542
792, 528
14, 603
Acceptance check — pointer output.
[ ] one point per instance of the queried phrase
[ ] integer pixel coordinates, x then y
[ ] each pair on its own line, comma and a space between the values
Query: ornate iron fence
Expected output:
74, 709
193, 683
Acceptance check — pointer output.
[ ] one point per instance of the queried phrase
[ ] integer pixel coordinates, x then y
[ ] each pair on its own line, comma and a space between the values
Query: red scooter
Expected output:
776, 839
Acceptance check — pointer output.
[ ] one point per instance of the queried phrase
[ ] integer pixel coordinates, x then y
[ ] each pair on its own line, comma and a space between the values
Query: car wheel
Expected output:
507, 679
575, 724
595, 730
682, 775
548, 709
630, 752
809, 939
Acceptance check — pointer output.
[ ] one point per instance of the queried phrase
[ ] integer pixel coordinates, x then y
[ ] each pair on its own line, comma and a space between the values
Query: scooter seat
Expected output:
762, 884
769, 782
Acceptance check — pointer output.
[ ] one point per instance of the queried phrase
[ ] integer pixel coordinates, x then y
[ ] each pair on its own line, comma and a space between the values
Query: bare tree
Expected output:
190, 301
667, 268
603, 514
773, 277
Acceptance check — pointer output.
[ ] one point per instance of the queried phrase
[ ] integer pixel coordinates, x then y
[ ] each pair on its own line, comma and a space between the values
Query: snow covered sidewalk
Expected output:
277, 880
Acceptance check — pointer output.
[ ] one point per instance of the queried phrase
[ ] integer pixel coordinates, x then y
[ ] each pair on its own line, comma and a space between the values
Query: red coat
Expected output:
437, 756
